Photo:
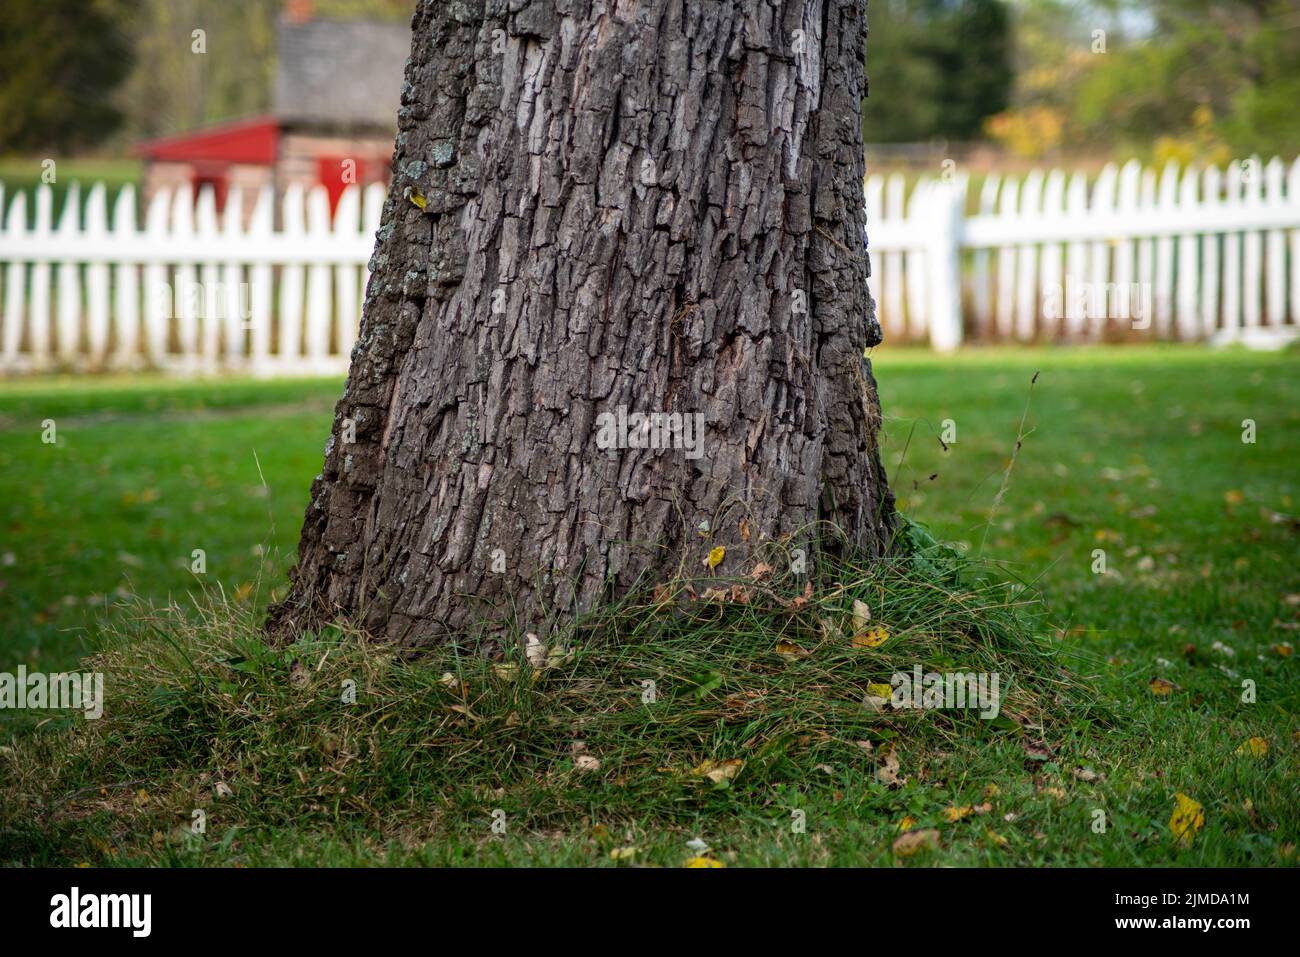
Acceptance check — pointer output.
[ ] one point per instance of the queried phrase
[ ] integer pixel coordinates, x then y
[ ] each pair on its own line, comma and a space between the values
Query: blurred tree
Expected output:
1166, 79
936, 68
173, 88
58, 61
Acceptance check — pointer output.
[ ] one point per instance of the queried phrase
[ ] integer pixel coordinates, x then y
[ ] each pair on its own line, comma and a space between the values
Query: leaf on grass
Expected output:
887, 771
1253, 747
1037, 751
1284, 649
996, 838
622, 853
1086, 774
298, 676
703, 862
914, 841
719, 771
1187, 819
955, 814
715, 556
586, 762
506, 671
871, 637
861, 615
788, 649
907, 823
1162, 688
535, 651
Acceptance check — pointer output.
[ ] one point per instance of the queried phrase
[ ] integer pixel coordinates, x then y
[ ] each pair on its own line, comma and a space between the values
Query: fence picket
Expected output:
1213, 188
1188, 262
347, 302
159, 302
319, 281
211, 302
1293, 201
1008, 208
981, 293
1275, 250
892, 316
1146, 249
1076, 208
260, 285
1252, 247
186, 293
1130, 176
125, 326
289, 347
67, 315
97, 278
15, 222
1164, 288
917, 264
1027, 261
1052, 288
1232, 256
1103, 204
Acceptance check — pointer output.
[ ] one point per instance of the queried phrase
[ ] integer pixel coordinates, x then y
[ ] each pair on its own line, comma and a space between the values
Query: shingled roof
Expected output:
340, 73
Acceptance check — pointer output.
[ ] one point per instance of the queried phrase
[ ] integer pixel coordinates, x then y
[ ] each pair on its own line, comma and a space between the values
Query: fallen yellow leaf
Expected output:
907, 823
871, 638
1253, 747
703, 862
716, 555
1187, 819
719, 771
955, 814
788, 649
1162, 688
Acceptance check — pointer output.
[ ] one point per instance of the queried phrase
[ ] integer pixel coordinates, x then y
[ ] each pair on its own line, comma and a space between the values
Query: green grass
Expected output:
1134, 451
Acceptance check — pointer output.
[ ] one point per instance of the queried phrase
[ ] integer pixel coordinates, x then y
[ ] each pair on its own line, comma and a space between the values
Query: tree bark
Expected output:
603, 208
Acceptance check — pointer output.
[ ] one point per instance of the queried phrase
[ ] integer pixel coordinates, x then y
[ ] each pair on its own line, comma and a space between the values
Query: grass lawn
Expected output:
1169, 673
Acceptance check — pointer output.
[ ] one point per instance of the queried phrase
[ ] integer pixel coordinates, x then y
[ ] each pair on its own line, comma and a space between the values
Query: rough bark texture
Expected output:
655, 205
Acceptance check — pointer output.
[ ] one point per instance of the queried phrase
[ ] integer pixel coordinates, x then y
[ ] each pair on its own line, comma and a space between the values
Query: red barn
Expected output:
337, 90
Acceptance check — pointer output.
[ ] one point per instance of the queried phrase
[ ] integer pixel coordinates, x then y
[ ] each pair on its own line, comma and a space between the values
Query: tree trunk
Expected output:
599, 210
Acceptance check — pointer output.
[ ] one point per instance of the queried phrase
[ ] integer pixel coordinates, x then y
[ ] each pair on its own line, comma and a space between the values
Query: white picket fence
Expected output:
1205, 254
191, 291
1184, 254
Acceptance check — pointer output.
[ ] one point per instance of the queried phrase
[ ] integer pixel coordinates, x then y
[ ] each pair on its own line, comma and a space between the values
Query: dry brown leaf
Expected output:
887, 771
913, 841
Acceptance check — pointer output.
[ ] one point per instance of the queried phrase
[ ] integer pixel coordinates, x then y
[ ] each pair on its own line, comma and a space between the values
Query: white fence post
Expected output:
945, 202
